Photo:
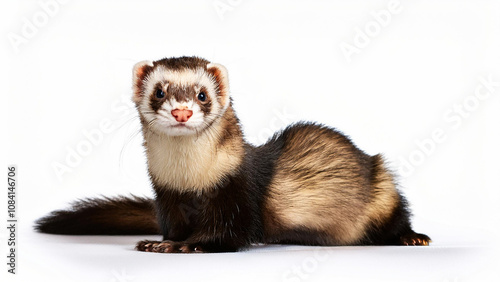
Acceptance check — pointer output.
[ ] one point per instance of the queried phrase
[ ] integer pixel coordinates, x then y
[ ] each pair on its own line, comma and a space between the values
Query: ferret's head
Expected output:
180, 96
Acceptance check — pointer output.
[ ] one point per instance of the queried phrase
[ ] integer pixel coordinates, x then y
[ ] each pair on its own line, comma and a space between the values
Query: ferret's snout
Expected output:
182, 115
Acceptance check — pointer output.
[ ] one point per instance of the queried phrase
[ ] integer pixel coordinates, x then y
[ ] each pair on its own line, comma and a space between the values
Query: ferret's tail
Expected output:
103, 216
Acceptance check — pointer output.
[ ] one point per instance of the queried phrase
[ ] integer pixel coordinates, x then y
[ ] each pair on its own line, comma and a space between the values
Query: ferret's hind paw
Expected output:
415, 239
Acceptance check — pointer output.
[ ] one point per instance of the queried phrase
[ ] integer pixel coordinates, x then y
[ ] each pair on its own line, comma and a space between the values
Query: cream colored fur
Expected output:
190, 163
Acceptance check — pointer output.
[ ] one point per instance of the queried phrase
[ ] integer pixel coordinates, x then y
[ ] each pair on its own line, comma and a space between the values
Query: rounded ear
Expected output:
219, 72
141, 70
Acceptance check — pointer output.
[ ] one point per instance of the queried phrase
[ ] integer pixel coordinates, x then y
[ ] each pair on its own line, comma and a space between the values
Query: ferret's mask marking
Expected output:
181, 101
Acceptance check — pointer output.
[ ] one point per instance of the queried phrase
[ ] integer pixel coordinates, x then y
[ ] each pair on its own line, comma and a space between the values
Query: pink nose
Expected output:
181, 115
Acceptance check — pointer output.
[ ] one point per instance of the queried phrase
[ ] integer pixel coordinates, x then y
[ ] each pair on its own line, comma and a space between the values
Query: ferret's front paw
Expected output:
155, 246
167, 247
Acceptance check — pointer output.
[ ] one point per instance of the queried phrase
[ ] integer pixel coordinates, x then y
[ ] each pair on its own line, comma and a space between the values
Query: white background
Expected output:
71, 72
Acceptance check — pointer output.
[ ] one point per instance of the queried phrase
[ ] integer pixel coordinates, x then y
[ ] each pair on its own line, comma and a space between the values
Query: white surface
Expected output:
72, 76
101, 258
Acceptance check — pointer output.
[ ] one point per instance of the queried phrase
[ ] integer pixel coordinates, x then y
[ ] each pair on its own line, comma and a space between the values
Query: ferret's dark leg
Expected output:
174, 223
396, 230
407, 236
173, 237
198, 242
222, 239
174, 216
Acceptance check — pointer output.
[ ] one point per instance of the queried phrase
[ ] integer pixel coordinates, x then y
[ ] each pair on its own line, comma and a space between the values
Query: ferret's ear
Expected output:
141, 70
219, 72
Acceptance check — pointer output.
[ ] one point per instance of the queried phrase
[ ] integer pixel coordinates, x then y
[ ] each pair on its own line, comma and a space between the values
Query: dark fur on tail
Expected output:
103, 216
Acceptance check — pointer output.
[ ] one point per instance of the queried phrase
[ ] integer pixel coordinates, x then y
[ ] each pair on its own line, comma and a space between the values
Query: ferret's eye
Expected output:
202, 96
160, 94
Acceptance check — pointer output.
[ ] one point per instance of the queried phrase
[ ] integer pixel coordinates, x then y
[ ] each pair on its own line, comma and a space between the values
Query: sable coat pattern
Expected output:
309, 184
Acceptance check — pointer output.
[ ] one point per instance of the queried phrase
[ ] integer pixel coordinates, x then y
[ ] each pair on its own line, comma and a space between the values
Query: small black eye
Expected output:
160, 94
202, 96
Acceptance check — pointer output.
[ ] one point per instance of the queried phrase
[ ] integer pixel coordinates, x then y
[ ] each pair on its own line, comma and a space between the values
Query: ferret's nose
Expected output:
181, 115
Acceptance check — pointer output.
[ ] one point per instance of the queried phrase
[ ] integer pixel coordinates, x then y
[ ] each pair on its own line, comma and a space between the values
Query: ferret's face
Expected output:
180, 101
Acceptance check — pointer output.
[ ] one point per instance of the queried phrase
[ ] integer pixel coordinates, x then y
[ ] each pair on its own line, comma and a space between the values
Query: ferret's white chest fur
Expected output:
189, 163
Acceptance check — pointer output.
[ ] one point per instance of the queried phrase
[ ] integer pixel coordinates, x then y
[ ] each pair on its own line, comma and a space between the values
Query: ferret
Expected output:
214, 192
